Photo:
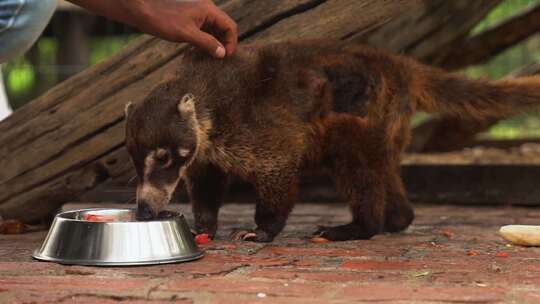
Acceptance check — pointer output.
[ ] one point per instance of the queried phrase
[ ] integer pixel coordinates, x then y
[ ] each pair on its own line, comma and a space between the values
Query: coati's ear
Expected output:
128, 109
186, 106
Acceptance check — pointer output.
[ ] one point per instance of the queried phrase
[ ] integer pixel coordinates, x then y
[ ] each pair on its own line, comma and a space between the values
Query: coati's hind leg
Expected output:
206, 185
358, 176
358, 165
366, 194
276, 194
399, 212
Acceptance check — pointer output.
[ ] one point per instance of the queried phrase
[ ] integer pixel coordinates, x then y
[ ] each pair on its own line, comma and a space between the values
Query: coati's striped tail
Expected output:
437, 91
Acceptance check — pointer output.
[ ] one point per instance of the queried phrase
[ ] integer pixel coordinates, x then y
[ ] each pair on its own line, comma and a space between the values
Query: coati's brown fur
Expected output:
271, 110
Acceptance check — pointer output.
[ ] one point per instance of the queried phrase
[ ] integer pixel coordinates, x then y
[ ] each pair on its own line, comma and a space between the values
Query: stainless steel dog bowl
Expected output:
74, 240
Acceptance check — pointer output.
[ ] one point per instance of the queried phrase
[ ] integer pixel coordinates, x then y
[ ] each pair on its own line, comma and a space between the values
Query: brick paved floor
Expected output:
450, 255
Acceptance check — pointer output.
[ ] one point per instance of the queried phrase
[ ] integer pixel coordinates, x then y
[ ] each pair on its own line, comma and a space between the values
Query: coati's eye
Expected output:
162, 156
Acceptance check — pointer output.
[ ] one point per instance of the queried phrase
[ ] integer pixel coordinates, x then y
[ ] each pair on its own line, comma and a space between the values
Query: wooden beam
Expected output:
474, 184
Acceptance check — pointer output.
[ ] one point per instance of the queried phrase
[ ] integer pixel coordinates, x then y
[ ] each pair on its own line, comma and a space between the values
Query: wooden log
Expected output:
71, 139
491, 42
425, 32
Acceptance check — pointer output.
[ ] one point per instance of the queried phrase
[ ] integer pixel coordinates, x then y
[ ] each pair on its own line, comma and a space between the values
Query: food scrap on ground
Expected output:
447, 233
501, 254
319, 240
525, 235
202, 239
422, 274
472, 253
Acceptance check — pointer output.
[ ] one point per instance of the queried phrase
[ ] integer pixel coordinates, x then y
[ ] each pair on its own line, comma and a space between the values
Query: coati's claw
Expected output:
250, 236
257, 236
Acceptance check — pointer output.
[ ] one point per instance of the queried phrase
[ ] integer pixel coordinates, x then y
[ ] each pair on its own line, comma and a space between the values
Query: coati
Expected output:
273, 109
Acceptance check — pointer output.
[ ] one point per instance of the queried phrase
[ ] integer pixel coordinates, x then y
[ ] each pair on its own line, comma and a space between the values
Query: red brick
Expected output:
249, 286
378, 265
326, 276
245, 259
43, 297
313, 251
393, 292
200, 267
106, 300
36, 268
219, 245
527, 296
253, 299
37, 283
307, 263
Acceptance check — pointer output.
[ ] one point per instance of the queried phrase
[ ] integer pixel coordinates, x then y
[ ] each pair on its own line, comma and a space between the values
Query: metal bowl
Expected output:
123, 242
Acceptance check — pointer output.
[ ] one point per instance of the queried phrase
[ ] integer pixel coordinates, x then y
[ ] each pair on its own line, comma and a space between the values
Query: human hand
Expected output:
198, 22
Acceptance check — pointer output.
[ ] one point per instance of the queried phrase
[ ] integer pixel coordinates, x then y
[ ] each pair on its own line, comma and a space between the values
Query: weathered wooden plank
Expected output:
473, 184
434, 183
426, 32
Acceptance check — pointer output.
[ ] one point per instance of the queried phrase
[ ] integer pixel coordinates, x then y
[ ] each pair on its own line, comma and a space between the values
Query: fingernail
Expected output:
220, 52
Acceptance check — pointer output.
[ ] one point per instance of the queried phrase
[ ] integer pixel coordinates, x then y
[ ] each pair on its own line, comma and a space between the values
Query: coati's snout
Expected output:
162, 140
161, 172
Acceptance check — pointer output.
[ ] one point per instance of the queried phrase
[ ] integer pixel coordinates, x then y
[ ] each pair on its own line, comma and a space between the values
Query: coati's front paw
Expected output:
250, 235
346, 232
210, 232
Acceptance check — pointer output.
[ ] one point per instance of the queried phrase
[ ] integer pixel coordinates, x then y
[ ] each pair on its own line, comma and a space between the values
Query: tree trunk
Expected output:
71, 139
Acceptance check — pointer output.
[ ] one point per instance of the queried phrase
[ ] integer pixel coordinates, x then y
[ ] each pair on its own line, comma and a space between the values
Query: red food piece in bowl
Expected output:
202, 239
98, 218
